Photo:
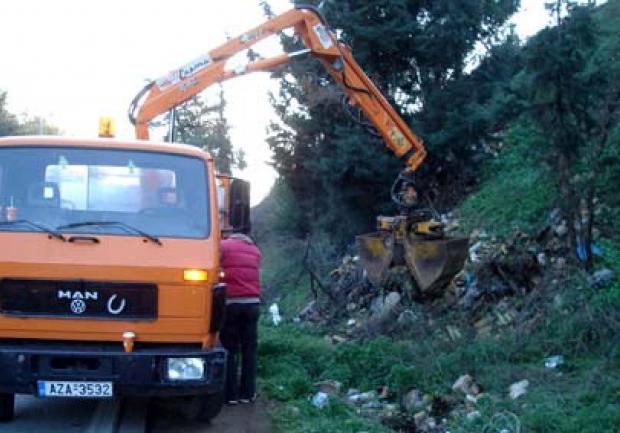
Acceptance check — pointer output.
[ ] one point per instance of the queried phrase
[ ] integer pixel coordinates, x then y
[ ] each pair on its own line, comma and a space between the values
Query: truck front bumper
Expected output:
142, 372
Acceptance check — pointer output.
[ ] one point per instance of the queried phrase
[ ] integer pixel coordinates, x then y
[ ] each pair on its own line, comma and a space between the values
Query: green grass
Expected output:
582, 395
291, 360
300, 416
516, 191
608, 296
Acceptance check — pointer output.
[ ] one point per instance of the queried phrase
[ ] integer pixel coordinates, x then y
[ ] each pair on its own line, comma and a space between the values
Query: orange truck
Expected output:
109, 278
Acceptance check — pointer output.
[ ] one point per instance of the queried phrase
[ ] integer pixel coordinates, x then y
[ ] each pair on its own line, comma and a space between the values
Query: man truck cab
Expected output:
109, 271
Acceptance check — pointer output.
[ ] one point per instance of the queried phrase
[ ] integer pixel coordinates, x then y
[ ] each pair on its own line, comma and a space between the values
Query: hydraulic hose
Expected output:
131, 113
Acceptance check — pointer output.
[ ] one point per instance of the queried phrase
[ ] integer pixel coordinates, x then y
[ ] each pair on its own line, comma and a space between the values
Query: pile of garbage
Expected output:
498, 276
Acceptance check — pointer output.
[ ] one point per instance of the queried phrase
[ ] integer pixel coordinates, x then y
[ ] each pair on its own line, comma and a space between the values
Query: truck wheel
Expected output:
7, 407
206, 407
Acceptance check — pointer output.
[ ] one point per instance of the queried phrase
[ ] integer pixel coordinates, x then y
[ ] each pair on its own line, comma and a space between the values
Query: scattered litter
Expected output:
554, 361
561, 229
329, 387
518, 389
407, 318
293, 410
478, 234
473, 415
453, 332
309, 312
372, 404
601, 277
474, 398
384, 392
463, 384
359, 399
414, 401
420, 417
320, 400
391, 301
560, 263
503, 422
390, 410
582, 253
351, 322
335, 339
275, 314
424, 423
473, 251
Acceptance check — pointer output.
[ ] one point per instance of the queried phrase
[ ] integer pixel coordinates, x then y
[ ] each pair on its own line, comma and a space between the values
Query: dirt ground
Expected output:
246, 418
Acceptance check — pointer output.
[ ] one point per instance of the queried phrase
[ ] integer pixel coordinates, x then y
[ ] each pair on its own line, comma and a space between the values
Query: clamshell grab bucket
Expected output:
432, 262
376, 252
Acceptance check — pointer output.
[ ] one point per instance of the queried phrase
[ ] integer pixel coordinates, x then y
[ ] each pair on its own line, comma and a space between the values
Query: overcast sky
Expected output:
73, 61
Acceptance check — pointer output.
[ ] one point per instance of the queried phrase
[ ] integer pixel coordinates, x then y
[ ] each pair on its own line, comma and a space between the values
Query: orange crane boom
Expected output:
408, 239
183, 83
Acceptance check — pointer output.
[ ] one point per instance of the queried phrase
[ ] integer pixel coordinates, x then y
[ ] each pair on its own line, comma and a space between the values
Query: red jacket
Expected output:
240, 261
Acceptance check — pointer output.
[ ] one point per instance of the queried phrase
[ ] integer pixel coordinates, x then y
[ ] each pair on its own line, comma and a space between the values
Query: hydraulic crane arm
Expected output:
432, 258
182, 84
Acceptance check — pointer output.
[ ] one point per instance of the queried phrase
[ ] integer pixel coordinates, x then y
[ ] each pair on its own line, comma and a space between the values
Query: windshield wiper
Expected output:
126, 226
49, 231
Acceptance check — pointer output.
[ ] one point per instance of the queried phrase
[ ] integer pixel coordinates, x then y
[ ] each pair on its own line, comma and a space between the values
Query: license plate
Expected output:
75, 389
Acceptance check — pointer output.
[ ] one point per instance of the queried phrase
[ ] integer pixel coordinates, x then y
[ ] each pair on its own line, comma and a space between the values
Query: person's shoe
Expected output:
248, 400
232, 402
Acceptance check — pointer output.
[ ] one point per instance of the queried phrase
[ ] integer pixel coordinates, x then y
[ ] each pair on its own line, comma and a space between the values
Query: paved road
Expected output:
35, 415
53, 416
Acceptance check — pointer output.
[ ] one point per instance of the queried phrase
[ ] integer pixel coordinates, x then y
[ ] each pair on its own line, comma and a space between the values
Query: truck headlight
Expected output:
186, 368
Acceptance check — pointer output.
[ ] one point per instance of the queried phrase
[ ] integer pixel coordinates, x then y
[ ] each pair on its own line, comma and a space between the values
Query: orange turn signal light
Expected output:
195, 275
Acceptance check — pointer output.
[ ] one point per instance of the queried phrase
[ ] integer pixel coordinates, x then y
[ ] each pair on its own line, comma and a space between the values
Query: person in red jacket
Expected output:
240, 261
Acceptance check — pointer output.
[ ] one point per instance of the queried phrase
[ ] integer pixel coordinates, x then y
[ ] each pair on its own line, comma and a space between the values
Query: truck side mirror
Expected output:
240, 206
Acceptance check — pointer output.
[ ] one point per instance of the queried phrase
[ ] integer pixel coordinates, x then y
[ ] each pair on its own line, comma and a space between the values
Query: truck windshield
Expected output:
162, 194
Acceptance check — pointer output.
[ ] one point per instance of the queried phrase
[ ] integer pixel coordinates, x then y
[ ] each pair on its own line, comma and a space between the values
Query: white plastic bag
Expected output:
320, 400
275, 314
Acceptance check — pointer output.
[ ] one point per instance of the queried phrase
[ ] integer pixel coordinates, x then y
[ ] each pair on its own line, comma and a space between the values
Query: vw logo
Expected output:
78, 306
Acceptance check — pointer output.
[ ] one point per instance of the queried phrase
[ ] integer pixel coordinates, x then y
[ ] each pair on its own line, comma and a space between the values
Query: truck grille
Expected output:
78, 299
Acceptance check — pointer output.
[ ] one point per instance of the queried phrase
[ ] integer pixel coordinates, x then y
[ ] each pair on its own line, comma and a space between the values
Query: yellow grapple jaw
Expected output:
432, 258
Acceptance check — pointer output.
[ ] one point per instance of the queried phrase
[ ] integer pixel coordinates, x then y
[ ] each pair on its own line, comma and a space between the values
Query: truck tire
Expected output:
7, 407
206, 407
